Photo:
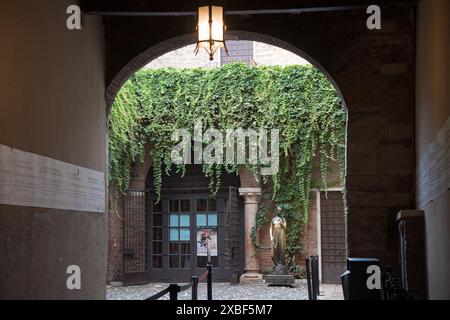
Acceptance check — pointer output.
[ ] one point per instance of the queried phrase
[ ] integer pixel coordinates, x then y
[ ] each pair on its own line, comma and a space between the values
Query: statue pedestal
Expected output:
284, 280
251, 277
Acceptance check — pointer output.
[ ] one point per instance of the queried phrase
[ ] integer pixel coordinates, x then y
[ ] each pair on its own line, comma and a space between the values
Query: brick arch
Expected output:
373, 71
155, 51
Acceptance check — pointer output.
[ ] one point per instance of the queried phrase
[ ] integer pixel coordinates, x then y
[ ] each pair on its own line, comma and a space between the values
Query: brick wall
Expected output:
251, 52
238, 51
184, 58
269, 55
308, 239
310, 231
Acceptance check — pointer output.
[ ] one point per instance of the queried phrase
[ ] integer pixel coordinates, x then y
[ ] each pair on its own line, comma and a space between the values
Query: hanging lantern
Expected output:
211, 30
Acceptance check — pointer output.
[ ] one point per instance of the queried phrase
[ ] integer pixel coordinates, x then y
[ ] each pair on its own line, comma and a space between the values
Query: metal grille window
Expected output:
238, 51
157, 224
135, 241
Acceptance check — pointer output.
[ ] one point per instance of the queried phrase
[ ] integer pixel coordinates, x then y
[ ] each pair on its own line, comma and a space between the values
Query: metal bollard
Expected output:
308, 278
194, 280
173, 292
209, 279
314, 276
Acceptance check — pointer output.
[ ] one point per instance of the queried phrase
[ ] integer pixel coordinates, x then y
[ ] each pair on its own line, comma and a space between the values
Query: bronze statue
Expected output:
278, 238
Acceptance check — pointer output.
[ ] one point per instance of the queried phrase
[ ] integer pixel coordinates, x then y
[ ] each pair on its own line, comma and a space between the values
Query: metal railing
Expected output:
174, 289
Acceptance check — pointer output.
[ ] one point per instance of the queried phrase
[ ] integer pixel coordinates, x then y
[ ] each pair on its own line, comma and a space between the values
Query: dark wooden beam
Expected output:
237, 7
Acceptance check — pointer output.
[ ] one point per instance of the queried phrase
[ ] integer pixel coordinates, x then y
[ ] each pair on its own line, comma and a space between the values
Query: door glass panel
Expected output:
179, 226
202, 261
157, 207
185, 205
173, 220
174, 261
157, 261
212, 219
201, 204
174, 248
185, 248
212, 205
173, 234
185, 261
185, 234
173, 205
157, 247
201, 220
184, 220
157, 233
157, 220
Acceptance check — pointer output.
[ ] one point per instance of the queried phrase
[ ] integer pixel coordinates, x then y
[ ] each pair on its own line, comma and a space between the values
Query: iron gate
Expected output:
135, 240
233, 241
334, 251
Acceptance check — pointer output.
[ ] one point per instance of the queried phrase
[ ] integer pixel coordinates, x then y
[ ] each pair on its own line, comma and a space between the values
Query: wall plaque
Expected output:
31, 180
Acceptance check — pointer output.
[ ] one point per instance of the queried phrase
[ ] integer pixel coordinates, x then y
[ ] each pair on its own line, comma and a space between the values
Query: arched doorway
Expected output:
168, 264
153, 52
375, 81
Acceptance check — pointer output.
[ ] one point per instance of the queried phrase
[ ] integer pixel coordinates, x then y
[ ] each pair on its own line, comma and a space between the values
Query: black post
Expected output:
317, 280
308, 278
173, 292
314, 277
194, 280
209, 279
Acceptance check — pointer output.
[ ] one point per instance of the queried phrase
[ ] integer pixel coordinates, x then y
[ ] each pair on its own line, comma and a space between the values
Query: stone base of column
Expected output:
251, 277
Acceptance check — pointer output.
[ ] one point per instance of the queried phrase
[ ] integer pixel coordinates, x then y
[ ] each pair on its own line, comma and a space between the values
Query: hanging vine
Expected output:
297, 100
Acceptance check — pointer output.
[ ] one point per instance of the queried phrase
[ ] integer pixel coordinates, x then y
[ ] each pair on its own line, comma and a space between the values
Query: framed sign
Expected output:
206, 237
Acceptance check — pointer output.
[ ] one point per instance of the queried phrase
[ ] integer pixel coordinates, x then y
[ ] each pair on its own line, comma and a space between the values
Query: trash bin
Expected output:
354, 280
345, 278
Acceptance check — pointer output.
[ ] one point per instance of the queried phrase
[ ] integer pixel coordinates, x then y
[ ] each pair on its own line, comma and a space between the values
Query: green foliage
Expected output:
297, 100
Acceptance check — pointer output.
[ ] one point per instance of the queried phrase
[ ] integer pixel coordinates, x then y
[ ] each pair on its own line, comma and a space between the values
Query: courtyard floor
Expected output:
221, 291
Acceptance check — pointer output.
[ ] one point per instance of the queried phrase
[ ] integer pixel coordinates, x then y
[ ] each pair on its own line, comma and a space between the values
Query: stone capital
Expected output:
251, 195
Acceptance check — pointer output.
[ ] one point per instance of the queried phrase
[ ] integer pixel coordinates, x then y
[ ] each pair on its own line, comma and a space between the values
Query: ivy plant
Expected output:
298, 100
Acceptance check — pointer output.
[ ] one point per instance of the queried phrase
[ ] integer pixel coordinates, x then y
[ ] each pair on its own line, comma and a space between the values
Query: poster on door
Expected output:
206, 238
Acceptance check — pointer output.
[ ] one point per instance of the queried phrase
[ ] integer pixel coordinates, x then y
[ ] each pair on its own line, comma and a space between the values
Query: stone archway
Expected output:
157, 50
373, 71
250, 190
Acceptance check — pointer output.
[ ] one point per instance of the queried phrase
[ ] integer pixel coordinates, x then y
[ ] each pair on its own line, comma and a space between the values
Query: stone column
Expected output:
252, 271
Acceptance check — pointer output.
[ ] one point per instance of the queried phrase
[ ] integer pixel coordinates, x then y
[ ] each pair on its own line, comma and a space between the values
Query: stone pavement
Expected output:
221, 291
331, 292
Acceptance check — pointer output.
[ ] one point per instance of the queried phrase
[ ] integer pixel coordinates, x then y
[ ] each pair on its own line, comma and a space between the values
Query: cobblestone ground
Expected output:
221, 291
